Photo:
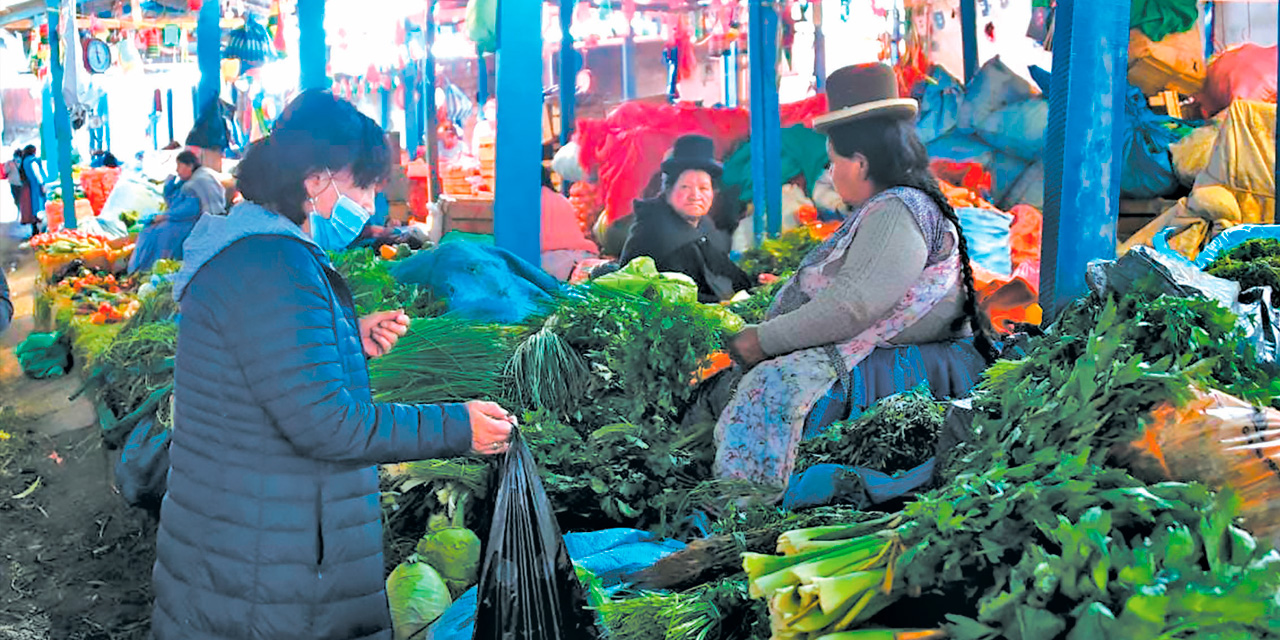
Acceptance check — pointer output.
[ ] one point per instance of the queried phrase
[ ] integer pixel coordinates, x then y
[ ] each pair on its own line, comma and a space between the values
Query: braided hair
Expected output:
897, 158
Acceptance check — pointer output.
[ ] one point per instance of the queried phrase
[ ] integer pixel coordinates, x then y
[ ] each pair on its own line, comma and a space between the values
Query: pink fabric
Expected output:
560, 227
626, 148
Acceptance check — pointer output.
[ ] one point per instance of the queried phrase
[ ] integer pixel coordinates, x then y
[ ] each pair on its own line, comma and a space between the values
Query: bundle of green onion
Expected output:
444, 359
546, 372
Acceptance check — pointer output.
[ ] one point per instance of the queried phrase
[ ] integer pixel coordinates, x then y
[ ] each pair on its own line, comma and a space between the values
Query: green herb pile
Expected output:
779, 255
374, 288
1255, 263
895, 434
1039, 533
444, 359
753, 309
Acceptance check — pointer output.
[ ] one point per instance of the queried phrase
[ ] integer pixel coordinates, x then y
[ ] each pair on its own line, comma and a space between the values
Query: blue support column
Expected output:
568, 73
1276, 183
208, 55
429, 101
482, 78
412, 136
1083, 151
969, 37
313, 54
61, 121
766, 134
168, 105
629, 63
386, 109
517, 219
1208, 29
819, 47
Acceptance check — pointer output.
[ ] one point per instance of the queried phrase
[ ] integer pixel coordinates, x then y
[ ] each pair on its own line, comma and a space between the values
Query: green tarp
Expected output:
1159, 19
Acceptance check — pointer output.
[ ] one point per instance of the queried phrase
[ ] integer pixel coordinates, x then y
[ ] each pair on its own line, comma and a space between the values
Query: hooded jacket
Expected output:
700, 252
271, 526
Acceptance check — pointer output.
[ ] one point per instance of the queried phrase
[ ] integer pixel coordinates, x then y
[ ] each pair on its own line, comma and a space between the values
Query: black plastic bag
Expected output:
528, 587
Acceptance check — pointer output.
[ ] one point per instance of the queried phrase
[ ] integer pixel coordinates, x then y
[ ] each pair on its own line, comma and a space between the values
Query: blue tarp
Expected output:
480, 282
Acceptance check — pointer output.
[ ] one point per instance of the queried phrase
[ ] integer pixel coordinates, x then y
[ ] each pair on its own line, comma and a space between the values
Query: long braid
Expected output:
977, 323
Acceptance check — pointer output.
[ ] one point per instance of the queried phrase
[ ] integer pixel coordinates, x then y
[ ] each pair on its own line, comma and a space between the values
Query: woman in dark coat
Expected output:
678, 229
271, 526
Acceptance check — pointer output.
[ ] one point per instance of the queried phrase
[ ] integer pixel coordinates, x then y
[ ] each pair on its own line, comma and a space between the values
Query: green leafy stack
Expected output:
1039, 529
896, 434
444, 359
374, 288
779, 255
1255, 263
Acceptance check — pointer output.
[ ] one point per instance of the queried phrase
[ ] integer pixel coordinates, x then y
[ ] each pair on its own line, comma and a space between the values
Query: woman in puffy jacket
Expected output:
271, 526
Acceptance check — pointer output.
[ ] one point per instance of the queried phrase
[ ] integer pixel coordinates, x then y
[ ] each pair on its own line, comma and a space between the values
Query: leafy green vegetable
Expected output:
895, 434
374, 288
1255, 263
418, 596
779, 255
444, 359
753, 309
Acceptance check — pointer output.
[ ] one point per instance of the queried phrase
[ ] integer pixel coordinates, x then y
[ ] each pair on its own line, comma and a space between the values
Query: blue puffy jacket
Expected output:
271, 527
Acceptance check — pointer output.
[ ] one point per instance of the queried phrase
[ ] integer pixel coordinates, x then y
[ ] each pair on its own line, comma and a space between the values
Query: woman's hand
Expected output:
745, 347
379, 331
490, 428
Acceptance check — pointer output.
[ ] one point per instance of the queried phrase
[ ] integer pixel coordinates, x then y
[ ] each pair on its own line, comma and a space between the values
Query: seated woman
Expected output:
564, 244
675, 229
194, 191
896, 273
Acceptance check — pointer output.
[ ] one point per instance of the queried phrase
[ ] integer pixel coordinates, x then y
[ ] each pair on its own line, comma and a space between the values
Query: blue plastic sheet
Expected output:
860, 487
939, 105
993, 88
1232, 238
610, 554
480, 282
142, 473
1018, 129
987, 233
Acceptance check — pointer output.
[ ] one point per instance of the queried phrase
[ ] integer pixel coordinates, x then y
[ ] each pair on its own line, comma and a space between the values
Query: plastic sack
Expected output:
566, 163
1191, 154
1148, 169
987, 234
44, 355
1232, 238
1018, 129
482, 24
1006, 171
528, 587
142, 472
1244, 158
1175, 63
993, 88
940, 99
641, 274
1028, 190
1223, 442
961, 147
1246, 72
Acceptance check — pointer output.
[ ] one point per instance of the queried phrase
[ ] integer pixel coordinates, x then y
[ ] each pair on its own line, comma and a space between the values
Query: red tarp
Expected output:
626, 148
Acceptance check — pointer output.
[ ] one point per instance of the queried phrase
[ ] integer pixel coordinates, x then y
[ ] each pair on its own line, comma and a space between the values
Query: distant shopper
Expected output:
31, 202
564, 244
13, 173
6, 303
195, 191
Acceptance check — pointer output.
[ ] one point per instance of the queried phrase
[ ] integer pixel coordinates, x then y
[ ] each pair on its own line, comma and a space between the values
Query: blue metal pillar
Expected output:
517, 219
168, 95
969, 37
60, 165
208, 55
1276, 183
1084, 146
819, 47
482, 78
412, 135
1208, 29
766, 133
313, 54
568, 78
385, 119
629, 63
429, 102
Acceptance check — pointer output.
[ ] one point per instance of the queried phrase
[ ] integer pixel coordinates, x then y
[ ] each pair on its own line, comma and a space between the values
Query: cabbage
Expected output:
418, 595
455, 553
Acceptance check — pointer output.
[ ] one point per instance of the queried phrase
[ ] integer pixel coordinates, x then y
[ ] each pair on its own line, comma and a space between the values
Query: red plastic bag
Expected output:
1246, 72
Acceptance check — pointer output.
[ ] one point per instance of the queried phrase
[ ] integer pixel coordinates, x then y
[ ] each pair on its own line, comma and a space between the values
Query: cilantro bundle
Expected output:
374, 288
1255, 263
779, 255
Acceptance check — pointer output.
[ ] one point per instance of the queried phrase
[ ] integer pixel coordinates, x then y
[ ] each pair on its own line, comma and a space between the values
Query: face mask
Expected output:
342, 227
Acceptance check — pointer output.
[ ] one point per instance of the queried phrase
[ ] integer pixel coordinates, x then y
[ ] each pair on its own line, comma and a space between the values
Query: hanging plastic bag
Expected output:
1148, 169
482, 24
143, 469
528, 587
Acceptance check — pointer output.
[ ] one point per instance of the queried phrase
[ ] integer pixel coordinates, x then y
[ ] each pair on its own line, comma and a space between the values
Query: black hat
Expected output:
692, 152
863, 90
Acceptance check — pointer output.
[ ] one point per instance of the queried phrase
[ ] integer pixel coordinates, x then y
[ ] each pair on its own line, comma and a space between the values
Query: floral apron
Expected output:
758, 432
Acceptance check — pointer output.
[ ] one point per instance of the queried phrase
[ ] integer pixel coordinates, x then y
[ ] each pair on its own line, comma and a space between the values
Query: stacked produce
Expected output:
1254, 263
1039, 533
59, 249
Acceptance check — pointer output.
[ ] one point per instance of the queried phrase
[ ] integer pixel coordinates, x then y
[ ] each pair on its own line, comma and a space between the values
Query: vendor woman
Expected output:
895, 273
193, 192
675, 229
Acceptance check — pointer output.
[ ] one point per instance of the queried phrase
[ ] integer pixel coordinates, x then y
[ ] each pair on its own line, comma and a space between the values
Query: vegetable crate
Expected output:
467, 213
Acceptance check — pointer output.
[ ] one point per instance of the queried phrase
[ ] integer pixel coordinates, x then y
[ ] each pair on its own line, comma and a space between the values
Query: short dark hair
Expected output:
190, 159
316, 132
29, 150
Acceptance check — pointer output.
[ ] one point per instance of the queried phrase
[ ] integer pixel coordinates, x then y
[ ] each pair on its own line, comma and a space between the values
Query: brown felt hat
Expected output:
861, 91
